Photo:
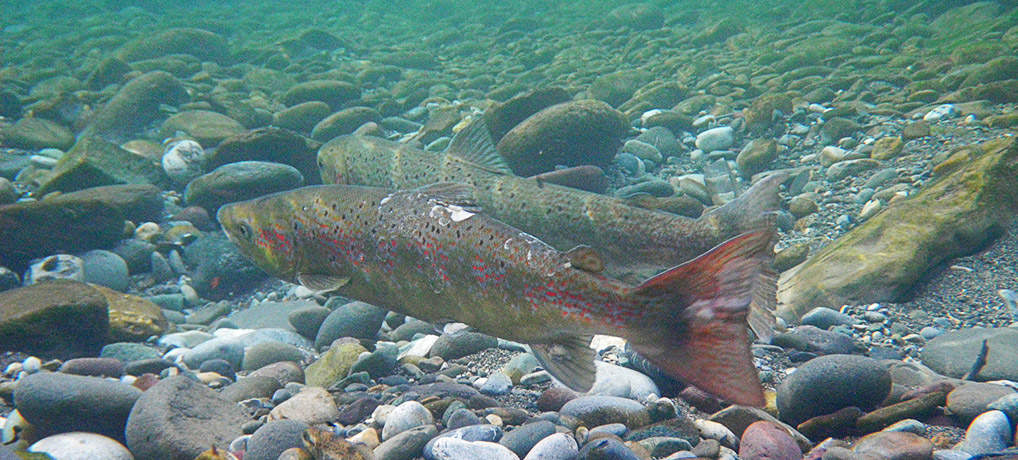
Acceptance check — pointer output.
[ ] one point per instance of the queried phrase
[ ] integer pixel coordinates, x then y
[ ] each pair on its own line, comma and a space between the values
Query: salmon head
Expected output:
264, 231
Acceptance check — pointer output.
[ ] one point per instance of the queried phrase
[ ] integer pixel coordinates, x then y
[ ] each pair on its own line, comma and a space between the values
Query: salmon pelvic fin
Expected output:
694, 327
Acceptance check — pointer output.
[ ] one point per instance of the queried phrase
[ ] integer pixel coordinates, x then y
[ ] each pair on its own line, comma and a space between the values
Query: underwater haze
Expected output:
508, 230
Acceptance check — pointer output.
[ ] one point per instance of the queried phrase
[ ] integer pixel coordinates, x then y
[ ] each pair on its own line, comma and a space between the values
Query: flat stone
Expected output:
38, 133
252, 386
199, 43
970, 400
80, 445
953, 353
136, 105
406, 445
132, 318
270, 144
408, 415
523, 438
815, 340
334, 364
600, 410
894, 445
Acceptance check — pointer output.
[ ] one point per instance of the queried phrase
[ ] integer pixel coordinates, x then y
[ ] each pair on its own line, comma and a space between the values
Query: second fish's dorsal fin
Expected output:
450, 193
473, 145
585, 258
570, 361
322, 283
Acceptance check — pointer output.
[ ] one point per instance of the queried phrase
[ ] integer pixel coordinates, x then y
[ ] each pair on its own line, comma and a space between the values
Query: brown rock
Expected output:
912, 408
895, 445
835, 424
132, 318
886, 148
60, 318
738, 418
969, 400
502, 117
766, 441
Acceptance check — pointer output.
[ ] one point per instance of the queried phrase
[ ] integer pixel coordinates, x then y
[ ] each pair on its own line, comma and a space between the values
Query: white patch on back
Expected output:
458, 214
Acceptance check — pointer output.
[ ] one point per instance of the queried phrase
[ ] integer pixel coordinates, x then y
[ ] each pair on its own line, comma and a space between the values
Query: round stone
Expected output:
448, 448
989, 432
105, 268
62, 403
355, 319
711, 140
559, 446
764, 440
408, 415
828, 383
269, 441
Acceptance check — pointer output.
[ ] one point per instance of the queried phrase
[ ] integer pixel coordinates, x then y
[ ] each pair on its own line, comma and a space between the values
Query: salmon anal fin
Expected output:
570, 361
322, 283
694, 327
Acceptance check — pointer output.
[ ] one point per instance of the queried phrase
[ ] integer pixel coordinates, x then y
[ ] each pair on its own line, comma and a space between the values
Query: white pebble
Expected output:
31, 365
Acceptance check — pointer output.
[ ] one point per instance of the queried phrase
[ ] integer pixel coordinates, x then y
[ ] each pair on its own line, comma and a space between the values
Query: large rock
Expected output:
881, 260
220, 268
572, 133
334, 364
332, 92
136, 105
501, 117
953, 353
270, 144
241, 181
132, 318
59, 318
59, 403
179, 418
94, 161
355, 319
199, 43
73, 222
38, 133
344, 122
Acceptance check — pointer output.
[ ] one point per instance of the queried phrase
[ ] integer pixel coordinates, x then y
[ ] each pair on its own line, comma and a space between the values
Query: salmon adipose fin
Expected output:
695, 322
570, 361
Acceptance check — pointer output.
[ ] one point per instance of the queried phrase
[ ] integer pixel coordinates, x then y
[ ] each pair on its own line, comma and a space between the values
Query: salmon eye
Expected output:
244, 230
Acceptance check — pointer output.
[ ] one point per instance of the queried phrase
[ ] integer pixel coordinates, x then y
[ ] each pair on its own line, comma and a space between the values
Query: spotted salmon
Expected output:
630, 239
432, 254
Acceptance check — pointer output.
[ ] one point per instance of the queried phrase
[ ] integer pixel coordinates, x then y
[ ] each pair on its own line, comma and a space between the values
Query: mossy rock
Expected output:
240, 181
1001, 68
501, 117
756, 156
136, 105
93, 162
617, 87
332, 92
882, 259
132, 318
886, 148
334, 365
760, 114
344, 122
60, 319
270, 144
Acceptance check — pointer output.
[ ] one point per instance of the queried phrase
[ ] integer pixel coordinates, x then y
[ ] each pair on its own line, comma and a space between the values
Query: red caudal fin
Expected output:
695, 325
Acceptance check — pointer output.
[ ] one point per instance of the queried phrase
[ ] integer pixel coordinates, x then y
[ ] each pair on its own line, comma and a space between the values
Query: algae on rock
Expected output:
882, 259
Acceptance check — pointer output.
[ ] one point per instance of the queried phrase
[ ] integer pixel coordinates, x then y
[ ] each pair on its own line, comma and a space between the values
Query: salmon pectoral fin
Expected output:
322, 283
570, 361
694, 326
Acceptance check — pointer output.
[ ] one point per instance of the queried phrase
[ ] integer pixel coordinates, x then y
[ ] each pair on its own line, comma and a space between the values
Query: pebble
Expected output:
183, 161
80, 446
272, 438
824, 318
496, 384
56, 267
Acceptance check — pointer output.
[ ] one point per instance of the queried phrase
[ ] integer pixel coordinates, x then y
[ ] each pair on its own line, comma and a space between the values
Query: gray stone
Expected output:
969, 400
828, 383
824, 318
614, 380
953, 353
268, 314
406, 445
462, 343
606, 449
559, 446
600, 410
220, 268
241, 181
57, 402
524, 437
306, 321
497, 384
989, 432
449, 448
105, 268
252, 386
273, 438
179, 418
129, 351
378, 363
408, 415
486, 433
80, 445
355, 319
719, 138
265, 353
814, 340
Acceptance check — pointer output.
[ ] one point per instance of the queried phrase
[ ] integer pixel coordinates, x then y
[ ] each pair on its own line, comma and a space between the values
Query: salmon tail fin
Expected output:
694, 326
749, 210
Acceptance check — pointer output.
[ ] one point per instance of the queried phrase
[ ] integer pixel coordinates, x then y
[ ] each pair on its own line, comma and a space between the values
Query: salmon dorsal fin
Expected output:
322, 283
585, 258
450, 193
570, 360
473, 145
